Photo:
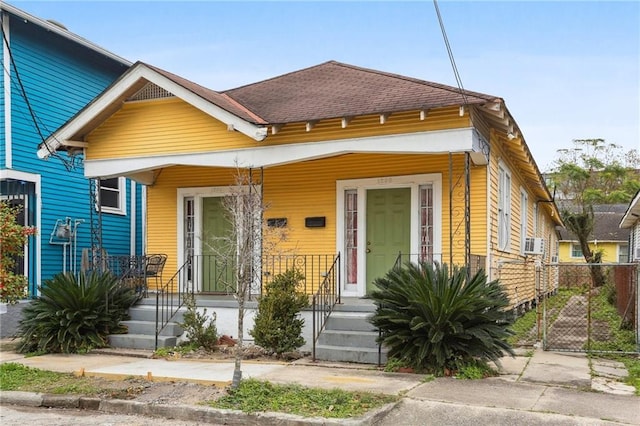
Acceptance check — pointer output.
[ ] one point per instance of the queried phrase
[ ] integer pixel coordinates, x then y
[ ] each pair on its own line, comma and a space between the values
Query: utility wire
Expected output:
68, 165
450, 53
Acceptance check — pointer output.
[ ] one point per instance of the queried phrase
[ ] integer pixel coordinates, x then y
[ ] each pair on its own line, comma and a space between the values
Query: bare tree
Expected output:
243, 247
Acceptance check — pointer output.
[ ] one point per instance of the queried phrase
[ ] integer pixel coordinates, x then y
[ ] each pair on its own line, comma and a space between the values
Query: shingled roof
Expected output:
606, 220
333, 90
217, 98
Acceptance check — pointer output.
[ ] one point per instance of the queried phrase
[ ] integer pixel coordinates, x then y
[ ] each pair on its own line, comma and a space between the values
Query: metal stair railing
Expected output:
172, 295
325, 299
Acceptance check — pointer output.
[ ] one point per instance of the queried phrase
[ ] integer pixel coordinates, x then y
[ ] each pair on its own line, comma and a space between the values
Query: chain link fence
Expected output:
579, 307
595, 308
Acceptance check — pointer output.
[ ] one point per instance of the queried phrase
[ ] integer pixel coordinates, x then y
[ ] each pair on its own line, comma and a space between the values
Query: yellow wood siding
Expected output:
169, 126
172, 126
369, 125
609, 251
307, 189
516, 272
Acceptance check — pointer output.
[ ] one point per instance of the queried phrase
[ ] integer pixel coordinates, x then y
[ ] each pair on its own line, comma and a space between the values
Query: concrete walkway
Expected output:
535, 387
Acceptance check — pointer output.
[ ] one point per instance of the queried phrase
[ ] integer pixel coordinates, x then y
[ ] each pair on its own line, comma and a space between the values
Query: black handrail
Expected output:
172, 295
325, 299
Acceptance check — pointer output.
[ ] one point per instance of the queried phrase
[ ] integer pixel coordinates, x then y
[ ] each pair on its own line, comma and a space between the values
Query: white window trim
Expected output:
36, 179
504, 199
524, 217
571, 251
362, 185
122, 199
619, 251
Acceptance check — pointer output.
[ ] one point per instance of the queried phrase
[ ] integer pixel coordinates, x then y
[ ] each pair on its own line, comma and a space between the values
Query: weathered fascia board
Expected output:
433, 142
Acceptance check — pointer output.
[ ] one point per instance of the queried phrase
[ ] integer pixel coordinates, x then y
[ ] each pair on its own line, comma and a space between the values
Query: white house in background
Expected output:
631, 220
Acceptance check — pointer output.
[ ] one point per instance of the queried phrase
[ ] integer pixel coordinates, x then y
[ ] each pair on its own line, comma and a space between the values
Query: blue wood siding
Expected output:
60, 77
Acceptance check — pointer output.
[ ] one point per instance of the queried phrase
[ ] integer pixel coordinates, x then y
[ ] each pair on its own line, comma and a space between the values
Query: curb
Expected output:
200, 414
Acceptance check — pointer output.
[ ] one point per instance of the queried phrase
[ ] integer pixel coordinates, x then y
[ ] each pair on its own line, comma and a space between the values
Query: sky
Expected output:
566, 70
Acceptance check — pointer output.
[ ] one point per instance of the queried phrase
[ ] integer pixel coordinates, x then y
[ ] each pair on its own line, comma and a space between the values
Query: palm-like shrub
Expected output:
432, 320
74, 314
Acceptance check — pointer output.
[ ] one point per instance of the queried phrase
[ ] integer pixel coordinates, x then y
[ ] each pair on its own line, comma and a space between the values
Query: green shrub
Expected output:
434, 321
74, 314
278, 327
201, 330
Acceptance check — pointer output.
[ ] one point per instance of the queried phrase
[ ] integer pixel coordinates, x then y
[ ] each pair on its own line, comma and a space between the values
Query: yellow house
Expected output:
419, 168
361, 168
607, 237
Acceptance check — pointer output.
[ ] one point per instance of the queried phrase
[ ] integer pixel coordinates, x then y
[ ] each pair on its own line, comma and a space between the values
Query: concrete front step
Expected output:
149, 327
358, 305
141, 341
348, 336
148, 313
350, 354
344, 338
349, 321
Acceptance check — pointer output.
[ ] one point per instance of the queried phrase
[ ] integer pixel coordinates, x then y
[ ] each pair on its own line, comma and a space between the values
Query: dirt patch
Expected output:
228, 353
180, 392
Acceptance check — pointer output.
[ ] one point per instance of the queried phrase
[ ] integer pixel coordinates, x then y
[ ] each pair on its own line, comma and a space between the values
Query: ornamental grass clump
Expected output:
438, 322
75, 314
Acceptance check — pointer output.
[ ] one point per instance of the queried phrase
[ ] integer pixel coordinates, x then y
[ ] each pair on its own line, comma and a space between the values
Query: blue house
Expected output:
49, 74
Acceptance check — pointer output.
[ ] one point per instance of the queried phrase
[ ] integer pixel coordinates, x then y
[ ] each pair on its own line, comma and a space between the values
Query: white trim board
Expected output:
6, 66
432, 142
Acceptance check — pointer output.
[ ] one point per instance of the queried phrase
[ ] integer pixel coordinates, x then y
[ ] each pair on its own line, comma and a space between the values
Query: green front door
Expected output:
217, 254
388, 230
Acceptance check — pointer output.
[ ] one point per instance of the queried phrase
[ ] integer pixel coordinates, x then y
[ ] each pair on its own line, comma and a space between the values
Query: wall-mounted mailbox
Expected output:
315, 222
277, 222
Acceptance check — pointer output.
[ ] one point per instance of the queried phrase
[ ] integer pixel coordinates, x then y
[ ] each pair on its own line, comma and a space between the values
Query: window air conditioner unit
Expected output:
554, 259
533, 246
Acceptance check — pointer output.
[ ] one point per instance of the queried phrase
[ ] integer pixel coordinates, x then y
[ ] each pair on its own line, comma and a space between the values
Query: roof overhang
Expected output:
56, 29
498, 117
71, 136
142, 169
632, 215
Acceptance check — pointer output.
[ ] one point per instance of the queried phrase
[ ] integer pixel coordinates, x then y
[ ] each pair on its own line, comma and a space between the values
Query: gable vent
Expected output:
150, 91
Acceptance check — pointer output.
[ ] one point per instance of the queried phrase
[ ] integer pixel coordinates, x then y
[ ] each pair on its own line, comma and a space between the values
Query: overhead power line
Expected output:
36, 121
450, 53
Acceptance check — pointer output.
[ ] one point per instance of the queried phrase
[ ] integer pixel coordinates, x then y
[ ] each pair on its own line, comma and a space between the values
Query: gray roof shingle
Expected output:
334, 90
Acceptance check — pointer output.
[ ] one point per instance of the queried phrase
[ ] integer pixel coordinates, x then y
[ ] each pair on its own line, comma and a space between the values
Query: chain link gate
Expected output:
580, 307
589, 307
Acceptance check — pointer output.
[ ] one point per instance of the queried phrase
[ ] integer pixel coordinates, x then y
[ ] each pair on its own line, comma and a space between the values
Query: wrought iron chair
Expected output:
153, 266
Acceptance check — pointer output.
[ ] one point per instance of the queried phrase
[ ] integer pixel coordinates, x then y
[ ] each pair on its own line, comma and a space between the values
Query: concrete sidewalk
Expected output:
530, 386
